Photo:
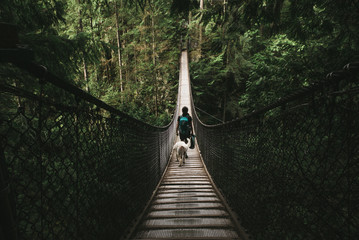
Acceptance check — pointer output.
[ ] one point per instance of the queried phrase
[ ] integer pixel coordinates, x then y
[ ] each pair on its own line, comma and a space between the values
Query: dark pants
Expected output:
184, 137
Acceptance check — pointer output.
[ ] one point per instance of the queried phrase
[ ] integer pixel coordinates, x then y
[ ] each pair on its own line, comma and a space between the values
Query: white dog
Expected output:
181, 152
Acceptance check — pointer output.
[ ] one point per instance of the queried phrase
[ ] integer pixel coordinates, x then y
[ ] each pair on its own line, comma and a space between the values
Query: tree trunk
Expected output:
81, 29
135, 59
154, 62
226, 87
277, 15
85, 76
119, 48
200, 30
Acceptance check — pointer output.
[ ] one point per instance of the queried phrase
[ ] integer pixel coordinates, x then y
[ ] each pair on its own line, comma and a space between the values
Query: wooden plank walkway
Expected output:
186, 203
187, 206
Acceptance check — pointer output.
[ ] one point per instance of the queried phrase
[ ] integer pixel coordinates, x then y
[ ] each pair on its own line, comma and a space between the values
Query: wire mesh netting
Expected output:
290, 170
75, 168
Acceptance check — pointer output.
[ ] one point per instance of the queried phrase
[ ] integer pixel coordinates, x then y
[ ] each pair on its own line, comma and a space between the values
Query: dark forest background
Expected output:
244, 54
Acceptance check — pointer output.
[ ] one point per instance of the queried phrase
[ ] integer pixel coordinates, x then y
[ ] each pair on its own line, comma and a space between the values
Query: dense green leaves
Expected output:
244, 53
268, 48
123, 52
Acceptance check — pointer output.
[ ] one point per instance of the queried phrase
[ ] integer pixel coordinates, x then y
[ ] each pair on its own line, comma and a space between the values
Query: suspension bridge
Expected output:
73, 167
187, 204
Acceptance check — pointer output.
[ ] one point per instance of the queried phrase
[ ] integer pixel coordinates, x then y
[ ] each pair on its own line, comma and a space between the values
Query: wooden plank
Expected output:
185, 233
188, 222
193, 205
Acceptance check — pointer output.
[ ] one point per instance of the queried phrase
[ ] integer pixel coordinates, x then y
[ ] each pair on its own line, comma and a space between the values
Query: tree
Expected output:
268, 49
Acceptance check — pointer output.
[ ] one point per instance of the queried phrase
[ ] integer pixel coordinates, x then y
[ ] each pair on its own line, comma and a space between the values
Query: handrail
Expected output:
78, 168
291, 174
42, 73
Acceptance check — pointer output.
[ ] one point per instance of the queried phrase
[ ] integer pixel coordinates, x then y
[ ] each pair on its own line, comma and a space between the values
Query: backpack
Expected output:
184, 125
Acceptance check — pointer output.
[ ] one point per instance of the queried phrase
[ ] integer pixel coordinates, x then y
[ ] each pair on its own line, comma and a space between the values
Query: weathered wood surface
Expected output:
186, 206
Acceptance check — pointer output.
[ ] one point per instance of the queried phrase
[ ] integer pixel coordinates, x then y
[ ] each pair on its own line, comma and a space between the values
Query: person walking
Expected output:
184, 125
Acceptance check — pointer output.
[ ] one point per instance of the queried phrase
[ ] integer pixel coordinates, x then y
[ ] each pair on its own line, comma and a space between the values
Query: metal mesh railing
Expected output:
74, 167
290, 170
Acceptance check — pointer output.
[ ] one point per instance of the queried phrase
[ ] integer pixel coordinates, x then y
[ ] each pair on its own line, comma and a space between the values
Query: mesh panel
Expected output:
290, 170
77, 170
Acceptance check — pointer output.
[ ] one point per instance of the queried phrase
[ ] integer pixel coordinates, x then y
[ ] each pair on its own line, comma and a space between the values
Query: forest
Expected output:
244, 54
81, 169
122, 52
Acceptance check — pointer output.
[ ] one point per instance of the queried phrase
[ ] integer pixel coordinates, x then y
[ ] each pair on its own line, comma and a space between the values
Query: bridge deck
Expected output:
186, 204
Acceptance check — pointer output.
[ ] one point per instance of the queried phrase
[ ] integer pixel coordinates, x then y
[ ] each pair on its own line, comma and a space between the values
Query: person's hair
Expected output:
185, 110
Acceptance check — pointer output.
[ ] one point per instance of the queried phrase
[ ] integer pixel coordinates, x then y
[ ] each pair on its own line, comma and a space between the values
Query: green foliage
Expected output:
268, 49
278, 65
132, 65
